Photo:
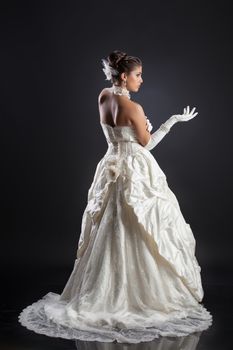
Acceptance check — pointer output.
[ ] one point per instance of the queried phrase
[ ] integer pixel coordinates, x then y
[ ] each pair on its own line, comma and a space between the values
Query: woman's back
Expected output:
119, 110
113, 108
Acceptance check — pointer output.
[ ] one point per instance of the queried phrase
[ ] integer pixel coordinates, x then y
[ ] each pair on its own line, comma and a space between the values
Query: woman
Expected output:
136, 276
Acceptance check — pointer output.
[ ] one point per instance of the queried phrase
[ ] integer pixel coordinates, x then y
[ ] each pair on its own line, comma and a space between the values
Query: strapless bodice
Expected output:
122, 140
115, 134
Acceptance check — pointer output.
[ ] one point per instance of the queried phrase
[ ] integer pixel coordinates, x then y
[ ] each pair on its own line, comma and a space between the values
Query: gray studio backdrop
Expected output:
51, 76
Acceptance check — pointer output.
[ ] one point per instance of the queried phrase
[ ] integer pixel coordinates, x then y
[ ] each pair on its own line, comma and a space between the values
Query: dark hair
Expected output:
122, 62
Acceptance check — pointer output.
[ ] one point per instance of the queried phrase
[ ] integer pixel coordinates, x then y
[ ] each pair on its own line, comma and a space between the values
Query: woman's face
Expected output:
134, 79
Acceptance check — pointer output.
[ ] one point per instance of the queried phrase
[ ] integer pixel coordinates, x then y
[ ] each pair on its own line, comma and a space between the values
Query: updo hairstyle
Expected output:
123, 63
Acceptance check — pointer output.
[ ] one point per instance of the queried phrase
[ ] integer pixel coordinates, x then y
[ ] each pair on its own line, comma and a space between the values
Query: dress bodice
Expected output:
122, 140
119, 133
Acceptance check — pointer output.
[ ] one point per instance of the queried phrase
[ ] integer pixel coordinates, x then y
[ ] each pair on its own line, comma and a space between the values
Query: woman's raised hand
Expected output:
187, 115
164, 128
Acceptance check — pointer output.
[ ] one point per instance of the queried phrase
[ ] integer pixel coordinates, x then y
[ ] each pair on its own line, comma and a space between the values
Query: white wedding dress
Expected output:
136, 276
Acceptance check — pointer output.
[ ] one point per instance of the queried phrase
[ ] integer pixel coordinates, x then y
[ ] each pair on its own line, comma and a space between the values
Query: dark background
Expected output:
51, 75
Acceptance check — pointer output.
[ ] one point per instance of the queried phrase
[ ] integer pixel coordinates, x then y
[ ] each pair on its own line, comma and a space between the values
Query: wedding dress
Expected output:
188, 342
136, 276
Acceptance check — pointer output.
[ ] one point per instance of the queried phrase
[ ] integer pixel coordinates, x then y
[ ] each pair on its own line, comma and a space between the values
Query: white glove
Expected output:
159, 134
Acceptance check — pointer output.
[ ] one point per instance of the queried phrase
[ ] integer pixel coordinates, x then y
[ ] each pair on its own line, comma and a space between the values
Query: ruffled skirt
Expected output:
136, 276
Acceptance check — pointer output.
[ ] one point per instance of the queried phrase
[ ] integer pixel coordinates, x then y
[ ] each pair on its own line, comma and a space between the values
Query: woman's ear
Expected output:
123, 76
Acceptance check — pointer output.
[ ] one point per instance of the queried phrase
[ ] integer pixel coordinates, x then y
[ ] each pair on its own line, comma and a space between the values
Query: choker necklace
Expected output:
118, 90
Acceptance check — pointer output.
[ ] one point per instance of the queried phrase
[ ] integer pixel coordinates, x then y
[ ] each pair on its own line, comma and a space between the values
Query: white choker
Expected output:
118, 90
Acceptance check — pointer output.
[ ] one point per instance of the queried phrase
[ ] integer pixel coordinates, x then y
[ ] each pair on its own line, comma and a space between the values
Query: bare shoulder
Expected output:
103, 94
129, 104
135, 111
139, 108
104, 90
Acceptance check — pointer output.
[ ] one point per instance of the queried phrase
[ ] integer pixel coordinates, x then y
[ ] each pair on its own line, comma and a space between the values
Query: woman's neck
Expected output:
120, 90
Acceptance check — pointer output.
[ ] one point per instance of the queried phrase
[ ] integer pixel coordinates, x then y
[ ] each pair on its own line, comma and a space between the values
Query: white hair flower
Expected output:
108, 70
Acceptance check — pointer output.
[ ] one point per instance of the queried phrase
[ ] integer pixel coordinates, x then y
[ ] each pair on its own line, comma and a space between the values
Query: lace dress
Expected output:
136, 276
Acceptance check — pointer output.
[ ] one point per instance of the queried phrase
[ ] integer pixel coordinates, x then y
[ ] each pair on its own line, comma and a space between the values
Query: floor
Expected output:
23, 286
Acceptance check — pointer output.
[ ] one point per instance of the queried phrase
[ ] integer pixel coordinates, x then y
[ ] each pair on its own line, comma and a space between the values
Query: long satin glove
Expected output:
159, 134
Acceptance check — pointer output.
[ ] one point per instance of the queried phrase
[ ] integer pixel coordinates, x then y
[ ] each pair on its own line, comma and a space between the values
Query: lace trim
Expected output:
34, 318
119, 90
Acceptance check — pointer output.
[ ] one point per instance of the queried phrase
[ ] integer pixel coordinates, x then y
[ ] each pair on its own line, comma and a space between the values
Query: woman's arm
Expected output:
137, 117
163, 130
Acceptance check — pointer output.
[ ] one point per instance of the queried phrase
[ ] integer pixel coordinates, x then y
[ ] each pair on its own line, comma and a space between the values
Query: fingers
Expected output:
187, 111
192, 110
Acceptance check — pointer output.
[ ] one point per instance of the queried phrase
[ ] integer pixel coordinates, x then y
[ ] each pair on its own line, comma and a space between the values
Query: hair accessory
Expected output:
108, 70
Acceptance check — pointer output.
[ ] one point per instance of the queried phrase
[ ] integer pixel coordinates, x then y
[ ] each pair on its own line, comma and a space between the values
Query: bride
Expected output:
136, 276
